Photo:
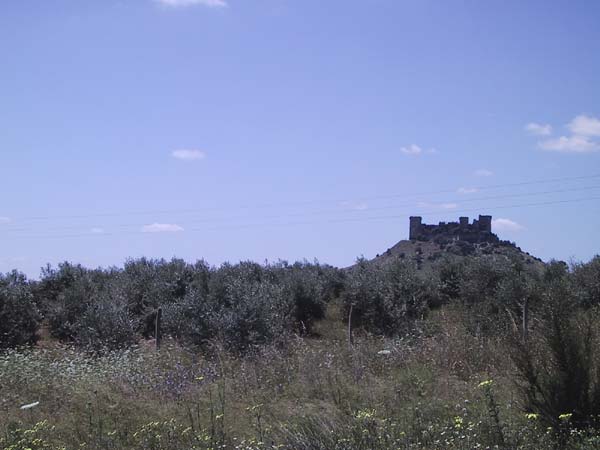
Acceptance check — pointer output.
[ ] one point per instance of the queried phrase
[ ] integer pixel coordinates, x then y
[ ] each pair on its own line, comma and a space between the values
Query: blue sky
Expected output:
265, 129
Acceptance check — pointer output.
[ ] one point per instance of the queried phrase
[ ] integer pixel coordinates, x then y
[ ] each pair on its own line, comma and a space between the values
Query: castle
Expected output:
479, 231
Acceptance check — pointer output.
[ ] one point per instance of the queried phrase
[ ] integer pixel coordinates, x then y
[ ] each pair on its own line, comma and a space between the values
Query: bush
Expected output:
105, 324
71, 292
493, 288
586, 282
387, 299
190, 320
244, 306
54, 283
87, 307
19, 318
559, 364
147, 284
310, 287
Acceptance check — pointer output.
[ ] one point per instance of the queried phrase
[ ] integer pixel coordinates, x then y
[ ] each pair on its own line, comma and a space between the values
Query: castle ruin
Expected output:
479, 231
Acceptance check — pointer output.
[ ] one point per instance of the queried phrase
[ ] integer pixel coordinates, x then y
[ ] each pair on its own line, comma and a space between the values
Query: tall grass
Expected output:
312, 394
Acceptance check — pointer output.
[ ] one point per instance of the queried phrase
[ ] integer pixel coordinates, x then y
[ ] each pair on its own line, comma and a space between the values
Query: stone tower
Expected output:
415, 227
485, 223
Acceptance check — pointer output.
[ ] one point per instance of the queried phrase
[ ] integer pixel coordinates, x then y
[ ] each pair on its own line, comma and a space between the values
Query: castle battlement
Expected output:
478, 231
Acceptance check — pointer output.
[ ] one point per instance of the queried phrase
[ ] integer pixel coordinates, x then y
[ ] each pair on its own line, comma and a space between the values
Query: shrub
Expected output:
105, 324
244, 304
309, 287
586, 282
559, 365
55, 281
245, 314
388, 298
190, 320
19, 318
147, 284
87, 308
71, 291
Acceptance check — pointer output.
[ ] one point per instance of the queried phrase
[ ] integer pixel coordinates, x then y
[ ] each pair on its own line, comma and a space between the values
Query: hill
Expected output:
430, 243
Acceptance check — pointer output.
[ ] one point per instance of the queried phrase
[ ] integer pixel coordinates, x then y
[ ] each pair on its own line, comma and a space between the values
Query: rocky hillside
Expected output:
425, 253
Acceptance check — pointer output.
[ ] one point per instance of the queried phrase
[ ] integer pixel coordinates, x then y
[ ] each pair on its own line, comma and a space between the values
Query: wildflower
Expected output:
485, 384
532, 416
365, 414
30, 405
458, 422
384, 352
566, 416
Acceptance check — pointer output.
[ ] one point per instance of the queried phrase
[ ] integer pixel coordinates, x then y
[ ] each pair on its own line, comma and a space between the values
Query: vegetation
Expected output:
479, 352
19, 318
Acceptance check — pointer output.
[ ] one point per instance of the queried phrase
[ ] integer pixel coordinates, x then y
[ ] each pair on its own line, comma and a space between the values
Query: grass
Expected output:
430, 391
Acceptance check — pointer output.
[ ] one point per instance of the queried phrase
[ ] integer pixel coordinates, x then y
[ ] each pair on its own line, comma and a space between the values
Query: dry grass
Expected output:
422, 392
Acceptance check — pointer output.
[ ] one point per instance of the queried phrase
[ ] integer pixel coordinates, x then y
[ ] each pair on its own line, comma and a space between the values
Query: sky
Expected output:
288, 129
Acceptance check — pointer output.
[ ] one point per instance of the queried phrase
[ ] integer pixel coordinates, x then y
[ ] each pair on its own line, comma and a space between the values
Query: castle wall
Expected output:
479, 231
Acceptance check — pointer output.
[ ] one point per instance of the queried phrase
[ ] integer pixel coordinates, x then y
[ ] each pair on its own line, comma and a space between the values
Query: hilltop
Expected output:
429, 243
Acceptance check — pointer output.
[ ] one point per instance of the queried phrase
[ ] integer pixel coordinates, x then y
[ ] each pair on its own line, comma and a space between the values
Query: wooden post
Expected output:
525, 318
350, 337
157, 331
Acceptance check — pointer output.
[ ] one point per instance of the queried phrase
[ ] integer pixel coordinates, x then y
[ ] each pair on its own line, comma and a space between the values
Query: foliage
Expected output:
559, 363
147, 284
247, 305
243, 305
245, 363
386, 299
19, 318
105, 323
586, 282
65, 294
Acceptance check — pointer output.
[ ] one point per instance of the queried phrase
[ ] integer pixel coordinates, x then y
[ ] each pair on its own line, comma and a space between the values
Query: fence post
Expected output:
525, 318
157, 331
350, 336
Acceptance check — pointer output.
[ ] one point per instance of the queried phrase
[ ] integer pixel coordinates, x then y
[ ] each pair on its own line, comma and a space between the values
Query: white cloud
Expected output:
97, 230
506, 225
188, 154
465, 190
570, 144
356, 206
161, 228
415, 150
4, 220
437, 205
581, 140
412, 149
583, 125
483, 173
185, 3
448, 206
538, 129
